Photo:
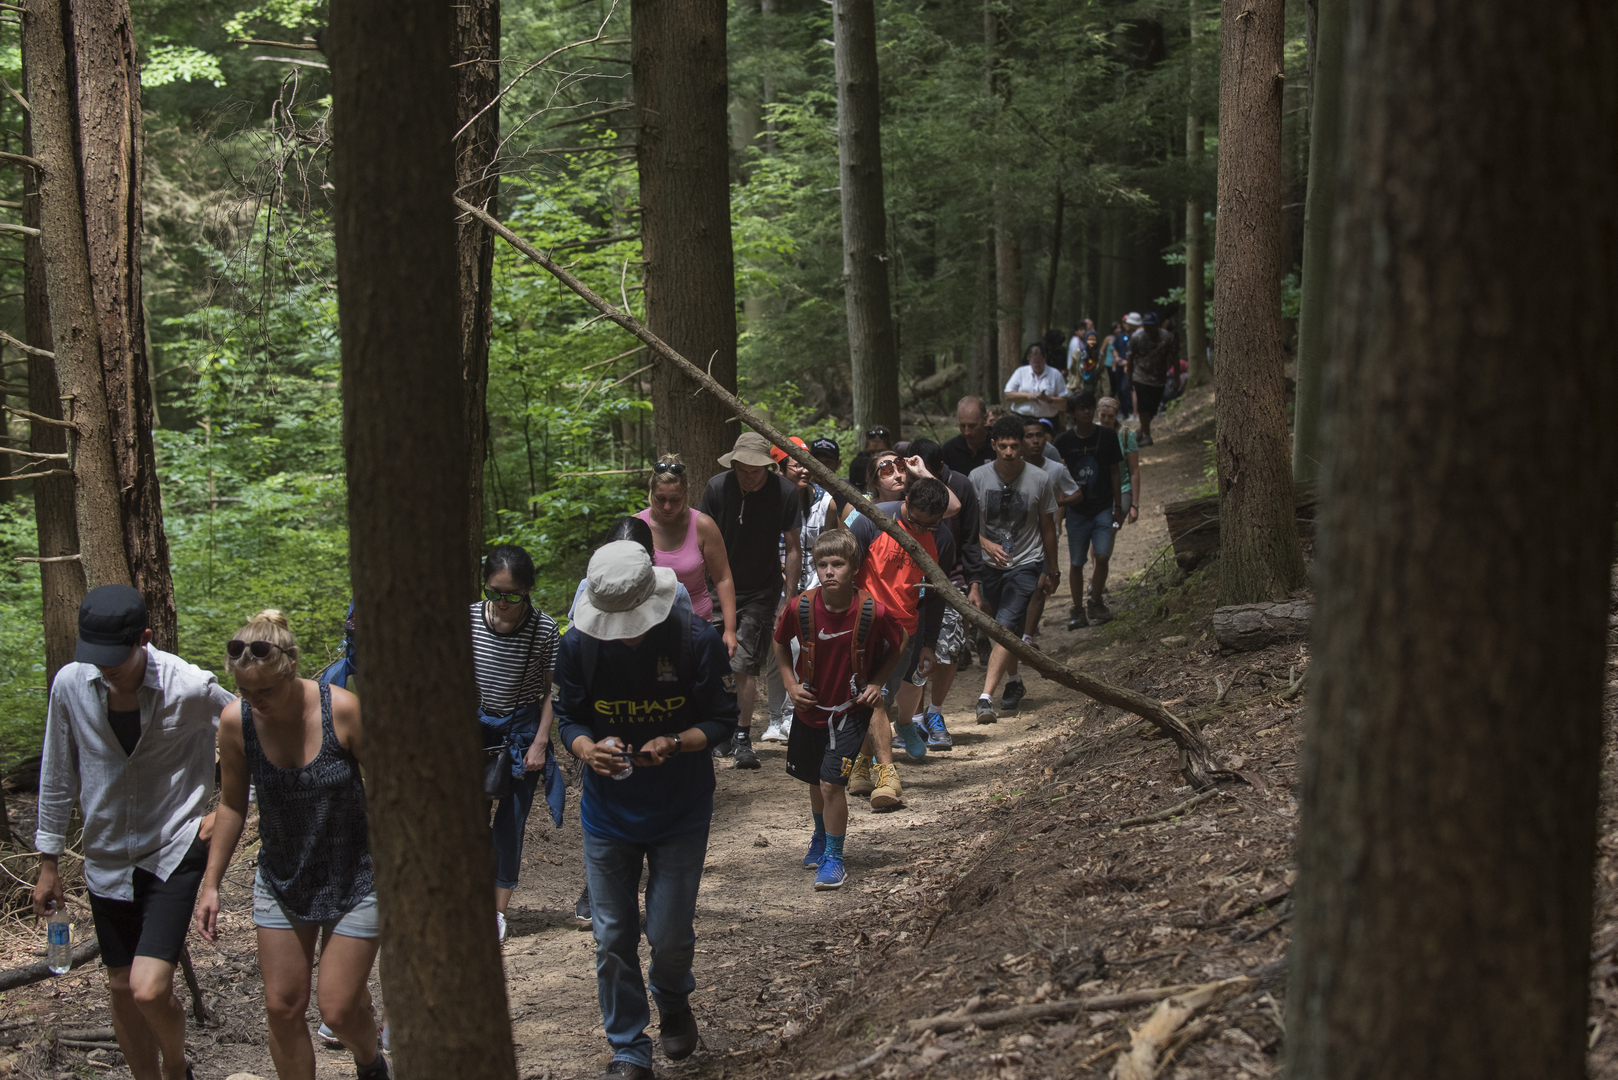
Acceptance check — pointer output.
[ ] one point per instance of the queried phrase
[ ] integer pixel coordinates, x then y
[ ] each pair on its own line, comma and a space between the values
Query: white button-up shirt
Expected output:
141, 809
1024, 381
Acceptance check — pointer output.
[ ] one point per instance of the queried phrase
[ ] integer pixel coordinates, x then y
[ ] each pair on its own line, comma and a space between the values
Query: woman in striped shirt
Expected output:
513, 652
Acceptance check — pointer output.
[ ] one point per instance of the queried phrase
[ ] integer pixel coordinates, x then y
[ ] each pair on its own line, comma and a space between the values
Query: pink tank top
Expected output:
687, 563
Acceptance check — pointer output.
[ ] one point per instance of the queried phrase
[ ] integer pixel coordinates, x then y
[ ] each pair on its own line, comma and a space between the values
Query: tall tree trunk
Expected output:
62, 585
677, 54
108, 126
76, 329
1008, 295
1320, 206
872, 347
1196, 302
477, 80
1260, 557
981, 360
394, 115
1048, 306
1451, 766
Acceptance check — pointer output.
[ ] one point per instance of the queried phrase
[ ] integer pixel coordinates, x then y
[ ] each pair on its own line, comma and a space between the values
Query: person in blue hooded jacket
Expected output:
644, 688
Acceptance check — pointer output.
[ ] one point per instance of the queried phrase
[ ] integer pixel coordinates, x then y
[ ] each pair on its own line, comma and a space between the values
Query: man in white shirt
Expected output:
1036, 389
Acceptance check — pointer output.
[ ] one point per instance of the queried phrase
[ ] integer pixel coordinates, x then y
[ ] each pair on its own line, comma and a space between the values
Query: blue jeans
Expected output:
510, 820
1087, 533
612, 868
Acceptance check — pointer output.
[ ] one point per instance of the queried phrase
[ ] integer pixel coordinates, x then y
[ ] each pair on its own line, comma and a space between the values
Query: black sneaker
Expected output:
986, 714
1100, 613
1076, 619
984, 647
581, 909
1012, 698
629, 1070
726, 748
376, 1070
678, 1032
745, 757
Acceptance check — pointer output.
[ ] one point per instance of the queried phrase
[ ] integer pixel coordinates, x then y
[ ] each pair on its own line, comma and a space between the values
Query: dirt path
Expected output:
762, 931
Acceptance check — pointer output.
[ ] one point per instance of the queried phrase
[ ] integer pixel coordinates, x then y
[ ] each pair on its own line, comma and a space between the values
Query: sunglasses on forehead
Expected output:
888, 467
878, 432
672, 468
259, 649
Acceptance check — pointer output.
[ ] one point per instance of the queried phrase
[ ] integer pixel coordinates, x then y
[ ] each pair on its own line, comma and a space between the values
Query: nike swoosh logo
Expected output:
827, 637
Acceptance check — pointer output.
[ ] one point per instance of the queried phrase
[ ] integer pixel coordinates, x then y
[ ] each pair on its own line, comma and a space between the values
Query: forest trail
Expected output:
760, 924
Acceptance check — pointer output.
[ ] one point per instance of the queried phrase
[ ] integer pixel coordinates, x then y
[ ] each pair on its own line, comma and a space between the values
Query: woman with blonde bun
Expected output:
299, 743
687, 541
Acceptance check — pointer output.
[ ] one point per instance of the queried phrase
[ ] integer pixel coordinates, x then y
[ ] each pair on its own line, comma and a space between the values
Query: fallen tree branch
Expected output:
1196, 764
956, 1021
83, 953
1146, 1041
199, 1011
1173, 811
863, 1063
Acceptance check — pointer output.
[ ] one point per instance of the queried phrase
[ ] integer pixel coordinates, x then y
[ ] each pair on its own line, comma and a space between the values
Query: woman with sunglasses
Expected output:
513, 654
688, 542
890, 475
299, 743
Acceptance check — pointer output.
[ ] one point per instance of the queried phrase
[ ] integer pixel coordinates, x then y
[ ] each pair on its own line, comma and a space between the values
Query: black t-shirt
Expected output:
963, 459
752, 524
125, 725
1090, 459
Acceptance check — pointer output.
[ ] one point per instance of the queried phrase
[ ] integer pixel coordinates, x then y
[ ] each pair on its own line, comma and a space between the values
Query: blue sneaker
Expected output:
937, 734
915, 739
831, 875
817, 848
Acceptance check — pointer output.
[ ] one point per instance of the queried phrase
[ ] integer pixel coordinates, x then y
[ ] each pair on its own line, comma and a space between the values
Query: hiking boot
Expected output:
859, 778
937, 734
678, 1034
1076, 619
745, 757
914, 737
817, 851
986, 713
581, 909
1143, 440
831, 875
1011, 699
888, 792
1099, 612
628, 1070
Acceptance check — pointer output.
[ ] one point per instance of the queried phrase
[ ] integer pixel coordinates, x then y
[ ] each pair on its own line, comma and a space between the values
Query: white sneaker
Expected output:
327, 1036
776, 732
500, 926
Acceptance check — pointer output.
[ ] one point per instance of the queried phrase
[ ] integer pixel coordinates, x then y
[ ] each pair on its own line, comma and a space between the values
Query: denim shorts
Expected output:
359, 921
1007, 593
1086, 534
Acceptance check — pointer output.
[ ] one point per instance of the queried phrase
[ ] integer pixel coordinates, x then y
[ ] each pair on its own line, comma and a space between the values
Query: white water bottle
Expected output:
619, 746
58, 942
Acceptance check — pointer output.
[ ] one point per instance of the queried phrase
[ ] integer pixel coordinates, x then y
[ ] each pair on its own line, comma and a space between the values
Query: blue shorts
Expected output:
1007, 593
360, 921
1086, 534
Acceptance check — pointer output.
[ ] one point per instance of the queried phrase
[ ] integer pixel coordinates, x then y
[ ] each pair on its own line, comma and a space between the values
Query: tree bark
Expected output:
62, 585
872, 347
76, 329
1008, 294
108, 126
1260, 558
394, 168
677, 56
1048, 304
477, 80
1320, 206
1196, 303
1451, 764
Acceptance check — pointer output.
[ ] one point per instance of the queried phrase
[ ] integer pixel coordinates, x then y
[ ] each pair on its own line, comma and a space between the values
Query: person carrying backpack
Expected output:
848, 646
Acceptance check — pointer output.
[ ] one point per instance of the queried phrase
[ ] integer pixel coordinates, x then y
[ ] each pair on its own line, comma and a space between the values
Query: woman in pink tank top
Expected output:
687, 541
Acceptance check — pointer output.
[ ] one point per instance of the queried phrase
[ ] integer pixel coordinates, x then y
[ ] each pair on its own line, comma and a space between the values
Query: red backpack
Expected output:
806, 635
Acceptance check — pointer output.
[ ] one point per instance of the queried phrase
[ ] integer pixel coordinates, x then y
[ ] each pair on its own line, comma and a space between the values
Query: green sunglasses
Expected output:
505, 597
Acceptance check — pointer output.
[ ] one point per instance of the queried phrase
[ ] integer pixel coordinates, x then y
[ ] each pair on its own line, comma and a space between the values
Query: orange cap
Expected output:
780, 455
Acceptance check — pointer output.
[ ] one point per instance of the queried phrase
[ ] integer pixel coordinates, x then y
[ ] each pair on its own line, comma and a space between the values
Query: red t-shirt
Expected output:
834, 652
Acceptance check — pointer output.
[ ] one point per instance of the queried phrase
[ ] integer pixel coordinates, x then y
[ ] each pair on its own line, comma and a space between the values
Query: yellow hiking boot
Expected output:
859, 780
888, 793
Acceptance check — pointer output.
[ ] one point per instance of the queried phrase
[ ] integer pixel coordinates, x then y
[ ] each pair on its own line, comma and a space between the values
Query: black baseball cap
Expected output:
110, 623
823, 448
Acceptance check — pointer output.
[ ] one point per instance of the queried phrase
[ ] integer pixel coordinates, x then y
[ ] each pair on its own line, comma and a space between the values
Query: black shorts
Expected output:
155, 922
822, 755
1147, 399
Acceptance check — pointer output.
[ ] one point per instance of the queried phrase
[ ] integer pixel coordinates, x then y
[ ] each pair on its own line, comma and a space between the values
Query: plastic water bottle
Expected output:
629, 766
58, 942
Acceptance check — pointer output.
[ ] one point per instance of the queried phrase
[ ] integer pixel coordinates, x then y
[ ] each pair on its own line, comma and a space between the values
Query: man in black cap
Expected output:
130, 733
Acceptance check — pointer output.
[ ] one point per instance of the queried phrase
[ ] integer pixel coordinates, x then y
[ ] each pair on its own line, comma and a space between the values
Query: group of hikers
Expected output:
681, 613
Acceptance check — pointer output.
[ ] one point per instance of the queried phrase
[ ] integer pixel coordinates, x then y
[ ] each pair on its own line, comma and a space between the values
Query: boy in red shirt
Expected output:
832, 712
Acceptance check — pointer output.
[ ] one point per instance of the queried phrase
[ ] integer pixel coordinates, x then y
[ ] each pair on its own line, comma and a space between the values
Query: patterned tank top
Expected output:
315, 854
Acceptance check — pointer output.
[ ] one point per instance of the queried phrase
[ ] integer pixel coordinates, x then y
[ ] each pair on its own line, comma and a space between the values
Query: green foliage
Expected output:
22, 637
176, 63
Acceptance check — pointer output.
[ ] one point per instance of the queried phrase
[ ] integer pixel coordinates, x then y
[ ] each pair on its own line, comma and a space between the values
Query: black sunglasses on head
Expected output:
878, 432
673, 468
259, 649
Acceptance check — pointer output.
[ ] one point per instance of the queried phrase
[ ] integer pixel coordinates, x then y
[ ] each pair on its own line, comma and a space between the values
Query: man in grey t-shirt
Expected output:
1017, 530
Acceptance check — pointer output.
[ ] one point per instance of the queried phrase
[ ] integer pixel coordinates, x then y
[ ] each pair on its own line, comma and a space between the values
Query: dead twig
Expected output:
1148, 1040
1173, 811
956, 1021
83, 953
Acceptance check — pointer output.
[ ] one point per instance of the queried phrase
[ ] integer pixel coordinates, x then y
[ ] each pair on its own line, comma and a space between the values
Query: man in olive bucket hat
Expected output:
759, 516
643, 688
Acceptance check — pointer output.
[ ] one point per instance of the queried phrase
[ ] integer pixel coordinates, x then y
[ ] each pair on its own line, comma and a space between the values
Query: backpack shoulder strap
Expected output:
861, 633
806, 633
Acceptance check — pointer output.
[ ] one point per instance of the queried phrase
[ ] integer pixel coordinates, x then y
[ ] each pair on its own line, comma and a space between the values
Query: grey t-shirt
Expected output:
1009, 513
